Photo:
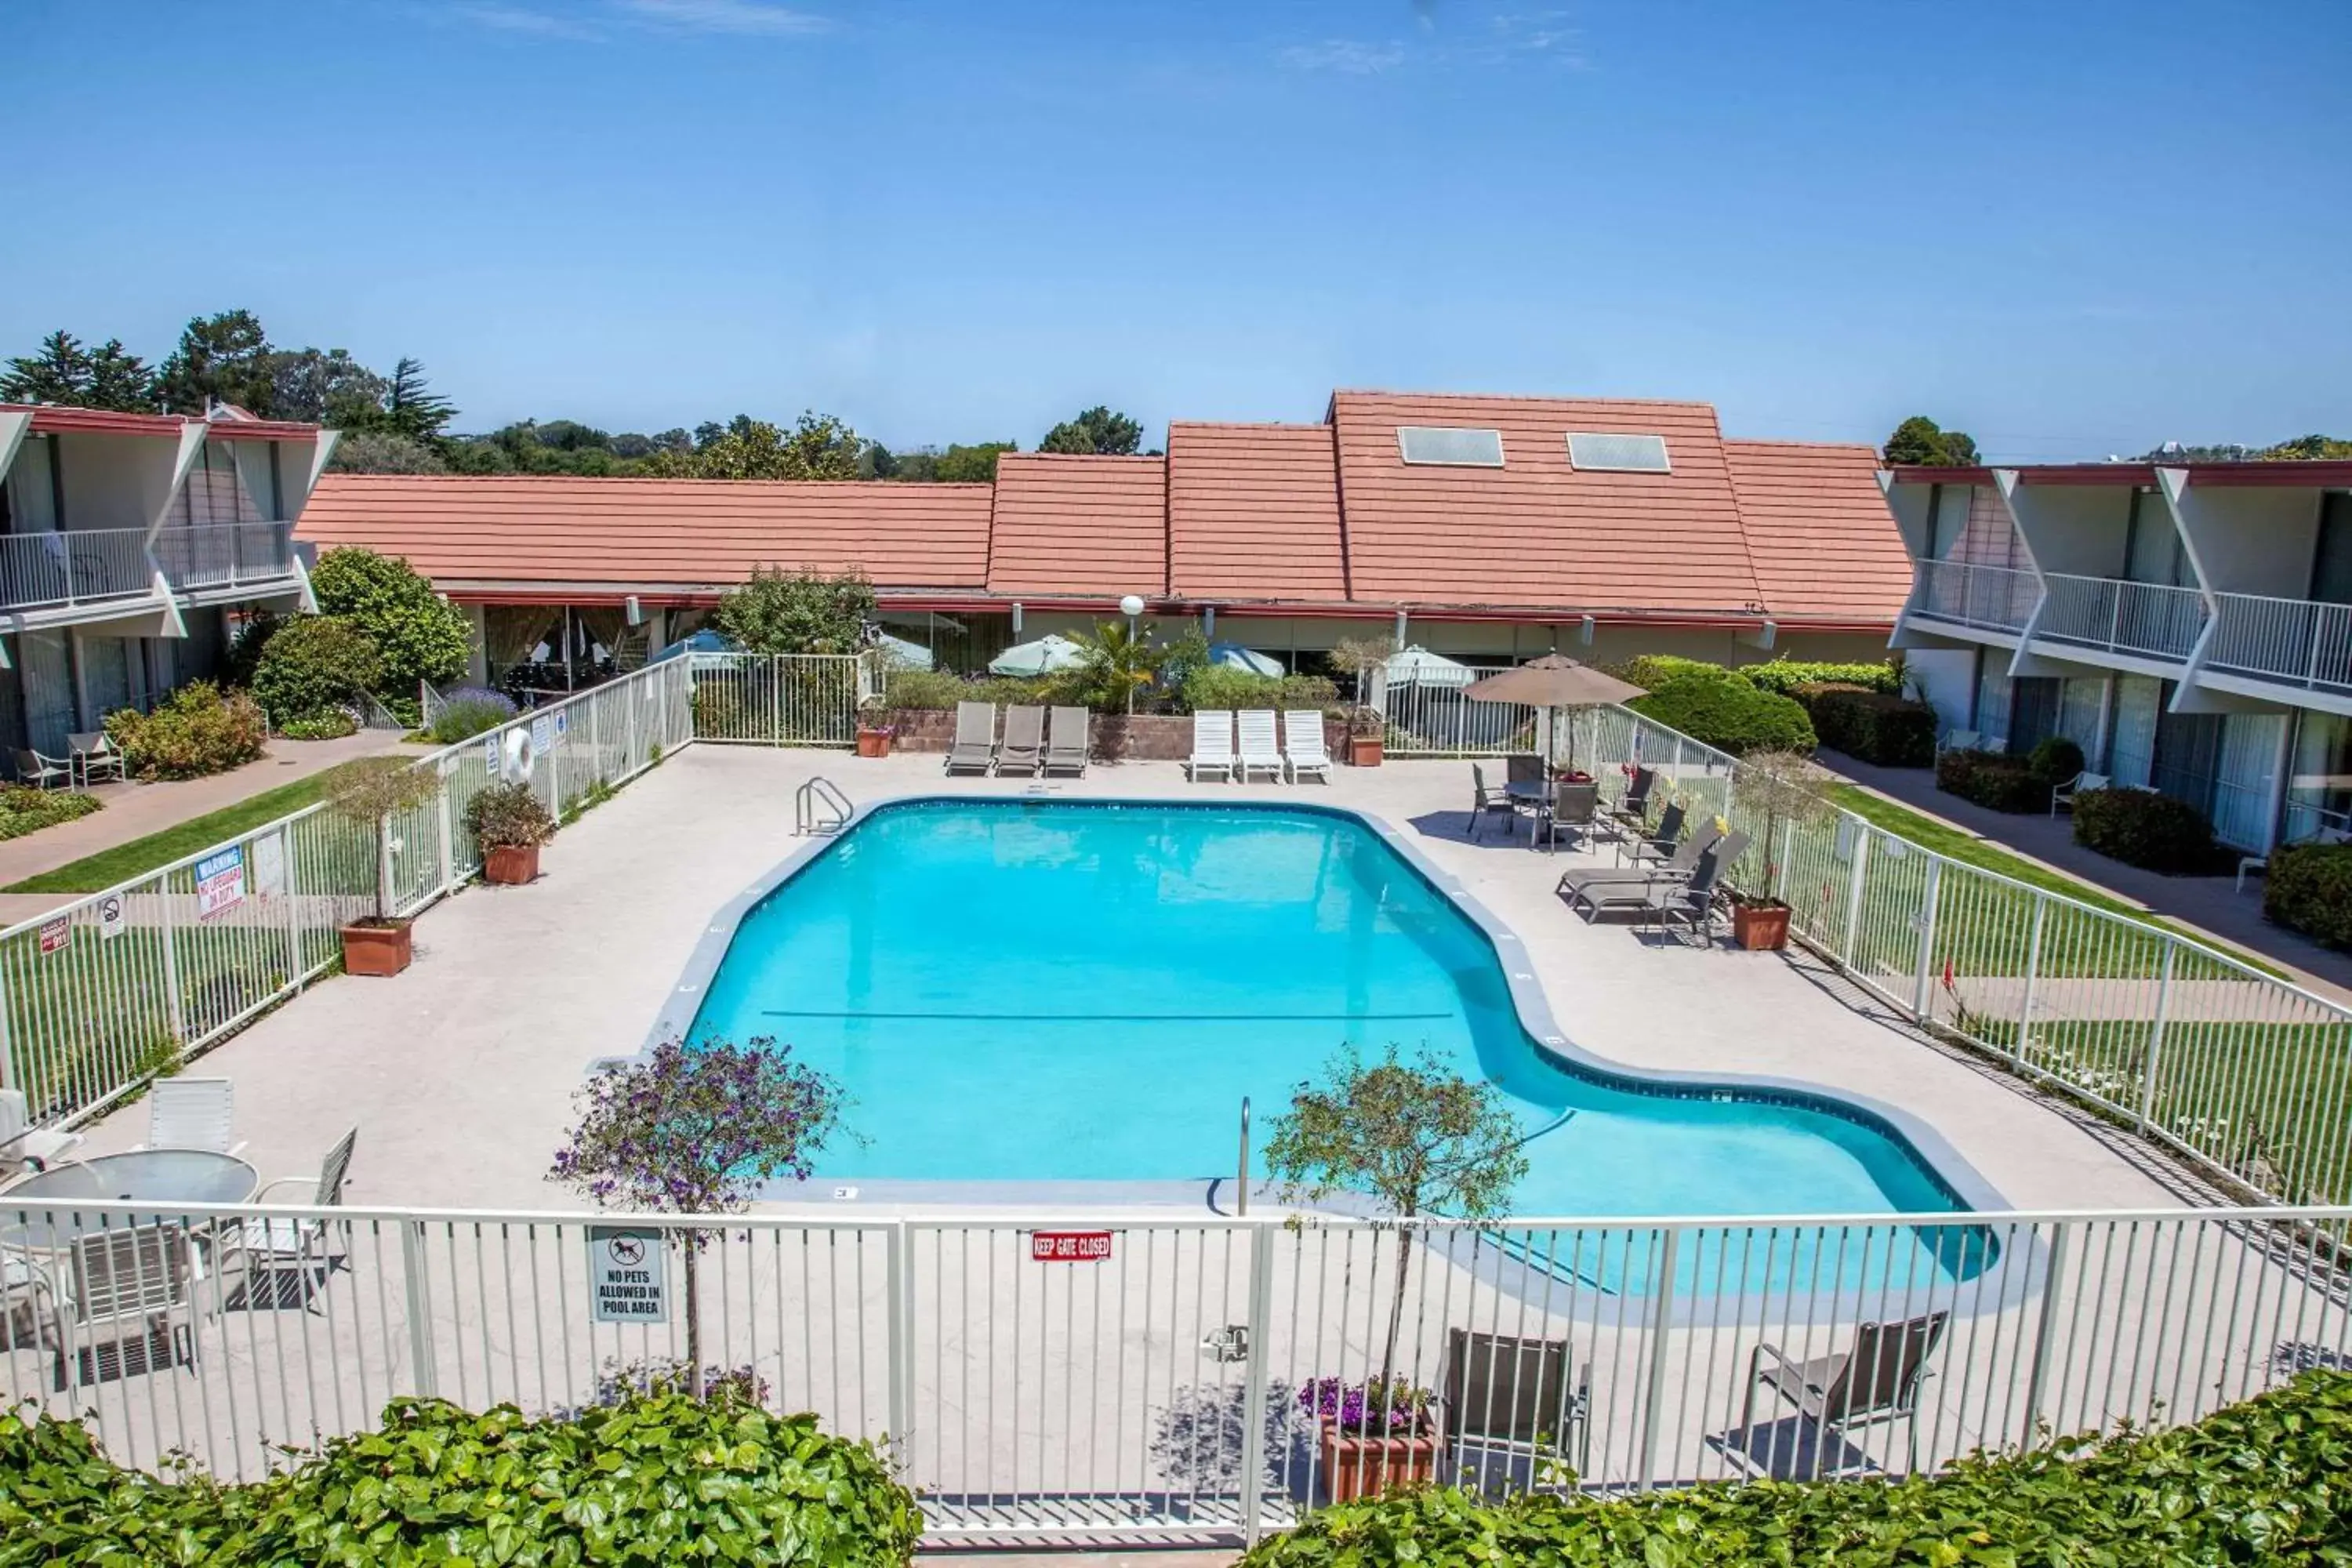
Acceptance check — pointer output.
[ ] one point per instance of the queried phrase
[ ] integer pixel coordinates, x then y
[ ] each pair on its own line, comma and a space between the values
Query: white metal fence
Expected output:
1429, 714
1062, 1375
780, 700
1998, 597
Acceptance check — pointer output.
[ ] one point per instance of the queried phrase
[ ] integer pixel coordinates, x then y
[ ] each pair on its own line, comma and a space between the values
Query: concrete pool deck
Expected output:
459, 1073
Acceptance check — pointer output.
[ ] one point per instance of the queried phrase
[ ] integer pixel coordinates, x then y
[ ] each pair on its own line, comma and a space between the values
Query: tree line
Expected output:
1921, 440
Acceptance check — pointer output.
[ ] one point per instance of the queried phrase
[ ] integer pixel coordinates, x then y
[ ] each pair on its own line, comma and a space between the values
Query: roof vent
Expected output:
1452, 445
1615, 453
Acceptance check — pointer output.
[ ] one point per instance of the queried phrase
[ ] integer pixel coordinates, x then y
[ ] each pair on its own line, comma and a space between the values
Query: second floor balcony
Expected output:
66, 570
2296, 642
1990, 598
2150, 620
225, 554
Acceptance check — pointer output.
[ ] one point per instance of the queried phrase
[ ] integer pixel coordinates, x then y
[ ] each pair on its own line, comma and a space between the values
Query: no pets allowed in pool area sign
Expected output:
625, 1275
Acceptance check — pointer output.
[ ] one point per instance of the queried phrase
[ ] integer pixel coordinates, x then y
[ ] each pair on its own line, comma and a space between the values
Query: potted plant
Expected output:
1367, 726
1776, 794
874, 736
509, 824
372, 792
1367, 736
1377, 1436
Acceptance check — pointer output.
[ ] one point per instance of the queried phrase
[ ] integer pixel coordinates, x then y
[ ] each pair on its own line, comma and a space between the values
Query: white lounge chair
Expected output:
192, 1113
1213, 744
2065, 794
1960, 740
1260, 752
1302, 743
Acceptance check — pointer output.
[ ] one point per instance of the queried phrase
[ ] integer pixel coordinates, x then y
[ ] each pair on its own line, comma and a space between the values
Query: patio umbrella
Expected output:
1233, 655
904, 654
1417, 666
1551, 682
1042, 656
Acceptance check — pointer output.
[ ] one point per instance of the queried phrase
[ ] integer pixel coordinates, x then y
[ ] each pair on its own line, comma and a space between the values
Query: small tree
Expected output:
416, 636
312, 663
1774, 792
372, 792
1920, 439
1417, 1136
1118, 664
798, 612
1359, 657
1097, 431
698, 1130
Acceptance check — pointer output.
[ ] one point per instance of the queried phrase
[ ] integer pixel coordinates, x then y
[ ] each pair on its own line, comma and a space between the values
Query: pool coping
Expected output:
1929, 1149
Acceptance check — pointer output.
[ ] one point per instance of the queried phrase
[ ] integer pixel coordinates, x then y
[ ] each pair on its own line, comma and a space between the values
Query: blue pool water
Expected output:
1057, 991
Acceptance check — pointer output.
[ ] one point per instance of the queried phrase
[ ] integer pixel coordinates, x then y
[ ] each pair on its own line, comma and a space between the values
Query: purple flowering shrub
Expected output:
620, 1382
1374, 1406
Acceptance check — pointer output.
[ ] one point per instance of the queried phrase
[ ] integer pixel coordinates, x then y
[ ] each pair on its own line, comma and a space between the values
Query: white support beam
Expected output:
14, 424
184, 463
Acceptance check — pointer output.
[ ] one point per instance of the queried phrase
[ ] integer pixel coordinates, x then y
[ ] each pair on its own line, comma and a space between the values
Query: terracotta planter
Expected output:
873, 742
376, 947
511, 864
1364, 750
1361, 1465
1760, 928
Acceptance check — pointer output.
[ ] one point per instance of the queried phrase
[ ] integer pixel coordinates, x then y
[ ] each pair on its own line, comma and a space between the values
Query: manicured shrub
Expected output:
1221, 686
312, 665
416, 636
927, 688
24, 810
331, 725
508, 815
467, 711
2309, 889
2261, 1482
2056, 759
196, 731
244, 655
1652, 670
1786, 674
655, 1477
1993, 780
1728, 713
2143, 828
1871, 725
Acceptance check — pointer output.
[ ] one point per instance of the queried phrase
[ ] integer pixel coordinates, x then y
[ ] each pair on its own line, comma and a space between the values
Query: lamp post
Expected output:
1131, 607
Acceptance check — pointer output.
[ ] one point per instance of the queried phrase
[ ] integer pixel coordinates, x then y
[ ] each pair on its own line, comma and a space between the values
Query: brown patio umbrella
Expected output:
1555, 681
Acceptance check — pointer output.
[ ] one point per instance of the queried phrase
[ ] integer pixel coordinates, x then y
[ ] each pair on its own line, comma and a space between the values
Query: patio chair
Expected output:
1633, 811
1585, 884
114, 1315
92, 750
1260, 752
192, 1113
1508, 1401
1067, 740
1485, 802
1656, 846
1959, 740
1522, 767
1876, 1381
1302, 743
1213, 744
23, 1146
39, 772
2082, 783
975, 738
1692, 902
1024, 750
281, 1253
1574, 809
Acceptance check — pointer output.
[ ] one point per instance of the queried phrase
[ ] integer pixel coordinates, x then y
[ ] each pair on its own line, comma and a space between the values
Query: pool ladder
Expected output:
820, 807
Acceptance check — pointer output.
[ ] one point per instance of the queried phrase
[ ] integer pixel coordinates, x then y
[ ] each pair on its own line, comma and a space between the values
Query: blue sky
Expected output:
2070, 227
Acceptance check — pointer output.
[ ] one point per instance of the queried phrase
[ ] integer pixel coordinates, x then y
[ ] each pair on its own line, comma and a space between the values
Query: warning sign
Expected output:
220, 882
57, 934
1069, 1245
625, 1275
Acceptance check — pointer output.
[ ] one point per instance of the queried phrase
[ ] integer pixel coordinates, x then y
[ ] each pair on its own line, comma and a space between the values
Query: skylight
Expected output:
1454, 446
1616, 453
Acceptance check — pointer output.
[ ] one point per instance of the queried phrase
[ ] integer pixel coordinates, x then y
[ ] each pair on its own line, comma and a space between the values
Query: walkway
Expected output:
2212, 905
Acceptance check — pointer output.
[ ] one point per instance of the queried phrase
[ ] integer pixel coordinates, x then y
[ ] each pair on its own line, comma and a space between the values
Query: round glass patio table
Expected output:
164, 1177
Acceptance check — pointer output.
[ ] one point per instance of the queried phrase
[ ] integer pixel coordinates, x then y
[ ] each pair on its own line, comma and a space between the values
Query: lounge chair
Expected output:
1692, 900
22, 1144
1260, 752
1302, 743
287, 1258
1024, 750
38, 772
1875, 1382
1484, 801
2065, 794
1507, 1409
1213, 744
1574, 808
1066, 741
1628, 886
192, 1113
1658, 845
975, 738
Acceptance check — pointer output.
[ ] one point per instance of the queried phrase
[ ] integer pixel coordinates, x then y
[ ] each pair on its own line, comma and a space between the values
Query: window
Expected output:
2331, 562
1615, 453
1452, 445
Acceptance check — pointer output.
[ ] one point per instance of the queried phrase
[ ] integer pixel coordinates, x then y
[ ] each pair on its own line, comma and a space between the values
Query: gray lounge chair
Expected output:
1508, 1409
1876, 1381
1066, 741
975, 738
1692, 900
1632, 813
1024, 750
1574, 809
1679, 865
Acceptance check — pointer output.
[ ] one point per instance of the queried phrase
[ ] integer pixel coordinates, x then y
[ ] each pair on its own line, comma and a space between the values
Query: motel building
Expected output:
130, 546
2190, 628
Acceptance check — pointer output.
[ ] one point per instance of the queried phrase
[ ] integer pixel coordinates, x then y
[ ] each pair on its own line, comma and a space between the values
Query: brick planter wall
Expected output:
1145, 737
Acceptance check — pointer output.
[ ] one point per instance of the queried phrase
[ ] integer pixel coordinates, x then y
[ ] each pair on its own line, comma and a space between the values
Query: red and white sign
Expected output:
1069, 1245
56, 933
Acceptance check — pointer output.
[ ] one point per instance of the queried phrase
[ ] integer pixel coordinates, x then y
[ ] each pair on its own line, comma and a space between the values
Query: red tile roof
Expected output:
1081, 526
237, 426
1253, 513
1818, 530
1538, 531
683, 531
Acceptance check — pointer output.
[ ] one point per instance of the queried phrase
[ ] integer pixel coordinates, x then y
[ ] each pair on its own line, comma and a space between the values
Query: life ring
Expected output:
520, 756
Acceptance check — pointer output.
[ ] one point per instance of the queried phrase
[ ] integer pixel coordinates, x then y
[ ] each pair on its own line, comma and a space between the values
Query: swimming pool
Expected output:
1057, 992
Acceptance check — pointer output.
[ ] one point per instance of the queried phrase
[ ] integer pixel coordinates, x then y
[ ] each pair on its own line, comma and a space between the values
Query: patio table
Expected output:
163, 1176
1535, 796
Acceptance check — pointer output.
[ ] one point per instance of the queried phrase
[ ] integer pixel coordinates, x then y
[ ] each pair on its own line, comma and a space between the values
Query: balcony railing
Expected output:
1997, 598
38, 569
225, 554
2145, 618
2297, 642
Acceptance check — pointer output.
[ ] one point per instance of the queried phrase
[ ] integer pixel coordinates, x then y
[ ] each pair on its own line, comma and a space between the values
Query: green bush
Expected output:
244, 655
1222, 685
1786, 674
2309, 889
1993, 780
2143, 828
2056, 759
467, 712
1652, 670
652, 1479
314, 664
416, 636
1871, 725
926, 689
508, 815
2261, 1482
1728, 713
24, 810
331, 725
196, 731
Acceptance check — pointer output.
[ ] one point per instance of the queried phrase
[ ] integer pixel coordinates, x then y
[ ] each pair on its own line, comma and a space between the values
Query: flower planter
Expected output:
1364, 750
511, 864
874, 743
376, 947
1366, 1464
1760, 927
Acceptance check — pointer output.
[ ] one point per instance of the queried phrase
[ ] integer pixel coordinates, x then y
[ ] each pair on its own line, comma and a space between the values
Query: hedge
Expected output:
2143, 828
2309, 889
2266, 1481
1784, 676
196, 731
1220, 687
1995, 781
654, 1478
1728, 713
314, 664
1871, 725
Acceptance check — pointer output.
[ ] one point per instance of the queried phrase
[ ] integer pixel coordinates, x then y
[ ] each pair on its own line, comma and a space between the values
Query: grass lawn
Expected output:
1959, 844
102, 870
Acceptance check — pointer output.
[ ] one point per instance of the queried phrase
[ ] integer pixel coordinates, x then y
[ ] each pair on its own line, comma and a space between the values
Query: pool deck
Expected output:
459, 1073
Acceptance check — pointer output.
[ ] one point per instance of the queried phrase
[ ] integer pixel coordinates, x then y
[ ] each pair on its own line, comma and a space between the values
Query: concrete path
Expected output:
2211, 905
135, 810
